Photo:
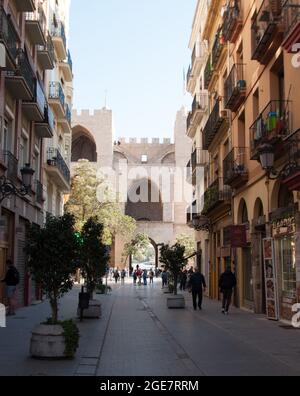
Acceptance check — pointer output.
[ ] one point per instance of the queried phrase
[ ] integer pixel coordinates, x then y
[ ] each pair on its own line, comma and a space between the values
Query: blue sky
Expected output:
136, 50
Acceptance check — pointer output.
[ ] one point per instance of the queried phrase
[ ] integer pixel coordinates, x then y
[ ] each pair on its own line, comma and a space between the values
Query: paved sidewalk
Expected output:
138, 335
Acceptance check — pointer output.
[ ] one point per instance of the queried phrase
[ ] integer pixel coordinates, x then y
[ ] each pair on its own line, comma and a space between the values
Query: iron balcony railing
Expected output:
39, 97
68, 114
208, 72
8, 34
49, 117
69, 60
218, 46
234, 85
217, 193
275, 122
25, 70
39, 16
188, 172
199, 52
39, 192
58, 30
215, 120
56, 92
199, 158
235, 164
264, 25
49, 47
11, 164
291, 16
231, 19
191, 212
54, 158
200, 102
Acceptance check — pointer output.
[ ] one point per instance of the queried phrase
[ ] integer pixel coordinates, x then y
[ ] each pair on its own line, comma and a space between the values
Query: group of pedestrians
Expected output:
141, 277
195, 282
117, 276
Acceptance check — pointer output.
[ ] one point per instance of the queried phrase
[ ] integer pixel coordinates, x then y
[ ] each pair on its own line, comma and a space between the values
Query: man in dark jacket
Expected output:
12, 279
227, 283
197, 284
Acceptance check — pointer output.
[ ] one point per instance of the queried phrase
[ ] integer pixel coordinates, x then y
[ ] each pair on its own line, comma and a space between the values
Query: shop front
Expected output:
284, 237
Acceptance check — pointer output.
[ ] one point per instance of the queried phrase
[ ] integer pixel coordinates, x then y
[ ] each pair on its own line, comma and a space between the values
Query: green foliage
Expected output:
188, 242
71, 334
94, 254
91, 196
136, 246
51, 257
173, 260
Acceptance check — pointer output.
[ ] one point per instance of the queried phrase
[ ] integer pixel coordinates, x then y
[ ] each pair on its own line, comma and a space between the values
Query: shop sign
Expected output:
238, 236
271, 279
284, 226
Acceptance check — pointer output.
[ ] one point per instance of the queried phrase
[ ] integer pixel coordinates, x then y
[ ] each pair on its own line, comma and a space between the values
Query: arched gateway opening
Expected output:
146, 258
83, 145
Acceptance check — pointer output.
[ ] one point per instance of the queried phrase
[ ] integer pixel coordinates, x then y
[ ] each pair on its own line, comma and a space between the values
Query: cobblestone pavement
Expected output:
139, 336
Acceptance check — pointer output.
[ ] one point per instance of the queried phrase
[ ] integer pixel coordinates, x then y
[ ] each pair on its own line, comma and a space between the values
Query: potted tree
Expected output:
51, 259
94, 260
173, 260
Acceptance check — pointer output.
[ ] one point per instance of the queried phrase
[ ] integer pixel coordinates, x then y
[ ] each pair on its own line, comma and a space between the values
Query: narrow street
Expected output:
139, 336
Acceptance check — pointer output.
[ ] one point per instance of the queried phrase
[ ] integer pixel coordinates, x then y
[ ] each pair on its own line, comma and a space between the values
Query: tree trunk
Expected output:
175, 284
54, 309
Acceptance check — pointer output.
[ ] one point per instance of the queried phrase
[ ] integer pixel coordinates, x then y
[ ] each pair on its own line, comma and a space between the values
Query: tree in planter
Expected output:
94, 254
173, 260
51, 257
135, 246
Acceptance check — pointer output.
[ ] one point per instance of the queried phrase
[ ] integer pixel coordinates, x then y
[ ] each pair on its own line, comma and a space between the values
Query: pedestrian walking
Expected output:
197, 285
139, 273
226, 284
145, 277
116, 276
183, 280
151, 277
123, 276
11, 280
135, 277
164, 278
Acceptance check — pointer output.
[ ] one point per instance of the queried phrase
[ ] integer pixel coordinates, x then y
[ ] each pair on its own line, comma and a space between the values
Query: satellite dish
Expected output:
2, 56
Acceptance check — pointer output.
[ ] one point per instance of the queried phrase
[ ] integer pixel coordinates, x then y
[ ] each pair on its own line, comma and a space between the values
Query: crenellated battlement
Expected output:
144, 141
90, 113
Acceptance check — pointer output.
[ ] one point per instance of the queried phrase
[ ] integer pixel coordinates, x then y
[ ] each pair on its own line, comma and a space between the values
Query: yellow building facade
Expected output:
251, 136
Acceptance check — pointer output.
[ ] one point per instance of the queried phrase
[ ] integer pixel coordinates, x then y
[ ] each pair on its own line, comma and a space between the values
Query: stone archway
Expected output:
144, 202
83, 145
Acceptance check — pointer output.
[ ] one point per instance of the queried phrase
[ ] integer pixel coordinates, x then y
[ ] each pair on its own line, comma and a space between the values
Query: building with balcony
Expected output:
32, 124
252, 138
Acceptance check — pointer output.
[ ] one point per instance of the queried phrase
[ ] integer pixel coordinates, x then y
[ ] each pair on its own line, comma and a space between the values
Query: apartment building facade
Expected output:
251, 200
35, 117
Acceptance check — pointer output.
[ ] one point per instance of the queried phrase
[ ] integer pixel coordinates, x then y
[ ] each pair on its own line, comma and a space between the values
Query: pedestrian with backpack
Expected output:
12, 279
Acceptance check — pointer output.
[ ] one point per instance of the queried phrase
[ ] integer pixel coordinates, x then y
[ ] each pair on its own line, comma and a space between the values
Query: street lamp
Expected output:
267, 160
8, 188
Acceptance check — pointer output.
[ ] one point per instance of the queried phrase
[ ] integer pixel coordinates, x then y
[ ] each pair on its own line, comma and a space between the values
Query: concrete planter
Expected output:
176, 302
93, 312
48, 342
